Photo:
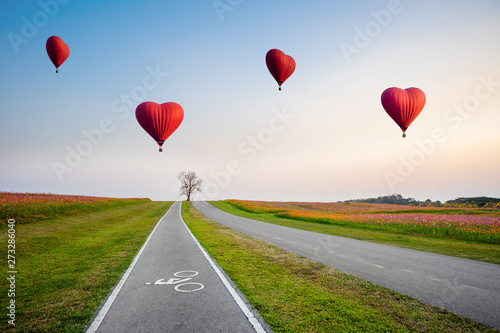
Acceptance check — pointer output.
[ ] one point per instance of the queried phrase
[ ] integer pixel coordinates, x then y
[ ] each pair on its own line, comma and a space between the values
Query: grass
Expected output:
294, 294
457, 248
67, 265
35, 207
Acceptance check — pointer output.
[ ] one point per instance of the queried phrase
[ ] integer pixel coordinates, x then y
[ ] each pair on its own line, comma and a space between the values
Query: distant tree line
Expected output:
397, 199
478, 201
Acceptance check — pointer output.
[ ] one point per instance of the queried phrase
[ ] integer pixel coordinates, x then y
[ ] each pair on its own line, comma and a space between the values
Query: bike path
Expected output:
466, 287
173, 286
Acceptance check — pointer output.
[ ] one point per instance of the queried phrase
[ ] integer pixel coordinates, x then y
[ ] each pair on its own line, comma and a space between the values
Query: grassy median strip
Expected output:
451, 247
294, 294
67, 265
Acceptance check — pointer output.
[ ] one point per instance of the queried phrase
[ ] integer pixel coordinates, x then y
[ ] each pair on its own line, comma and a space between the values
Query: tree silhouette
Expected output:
190, 183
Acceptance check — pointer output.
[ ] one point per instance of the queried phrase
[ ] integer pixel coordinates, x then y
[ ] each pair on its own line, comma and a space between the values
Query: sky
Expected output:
324, 137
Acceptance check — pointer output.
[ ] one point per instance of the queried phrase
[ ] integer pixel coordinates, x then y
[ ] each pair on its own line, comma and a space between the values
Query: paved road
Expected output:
172, 287
465, 287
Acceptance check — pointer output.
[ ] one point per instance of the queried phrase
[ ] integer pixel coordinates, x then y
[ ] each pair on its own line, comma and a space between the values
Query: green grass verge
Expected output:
66, 266
294, 294
457, 248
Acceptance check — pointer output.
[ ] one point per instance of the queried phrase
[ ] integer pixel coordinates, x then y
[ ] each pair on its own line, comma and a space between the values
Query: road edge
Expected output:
108, 301
246, 307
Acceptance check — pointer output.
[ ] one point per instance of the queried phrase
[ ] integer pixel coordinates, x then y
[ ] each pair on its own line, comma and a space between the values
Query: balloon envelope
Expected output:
57, 50
159, 120
280, 65
403, 106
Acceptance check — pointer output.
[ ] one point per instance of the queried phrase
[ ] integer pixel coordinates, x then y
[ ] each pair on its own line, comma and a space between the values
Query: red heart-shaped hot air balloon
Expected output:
403, 106
159, 120
280, 65
57, 50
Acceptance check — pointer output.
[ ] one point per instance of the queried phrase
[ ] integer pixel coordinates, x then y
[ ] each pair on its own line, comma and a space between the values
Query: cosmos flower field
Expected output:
469, 224
29, 207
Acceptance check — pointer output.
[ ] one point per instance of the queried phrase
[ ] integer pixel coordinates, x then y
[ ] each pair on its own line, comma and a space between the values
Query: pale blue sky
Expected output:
325, 137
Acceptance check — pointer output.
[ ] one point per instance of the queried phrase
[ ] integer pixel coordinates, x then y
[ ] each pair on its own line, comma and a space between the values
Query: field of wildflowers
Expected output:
462, 223
30, 207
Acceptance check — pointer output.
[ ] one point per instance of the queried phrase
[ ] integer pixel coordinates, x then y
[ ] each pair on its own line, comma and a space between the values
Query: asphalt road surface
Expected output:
171, 286
466, 287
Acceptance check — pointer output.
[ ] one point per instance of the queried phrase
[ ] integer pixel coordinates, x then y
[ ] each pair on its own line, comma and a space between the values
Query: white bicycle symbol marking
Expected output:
180, 280
186, 274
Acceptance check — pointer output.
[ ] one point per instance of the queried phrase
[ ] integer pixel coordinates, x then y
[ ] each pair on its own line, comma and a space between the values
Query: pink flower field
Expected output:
461, 223
24, 207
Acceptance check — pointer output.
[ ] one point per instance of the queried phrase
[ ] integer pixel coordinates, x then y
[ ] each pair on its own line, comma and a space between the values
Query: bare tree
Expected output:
190, 183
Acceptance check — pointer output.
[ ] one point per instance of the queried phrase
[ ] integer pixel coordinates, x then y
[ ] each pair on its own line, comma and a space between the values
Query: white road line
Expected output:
277, 238
471, 287
251, 318
368, 263
435, 279
104, 310
407, 271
